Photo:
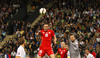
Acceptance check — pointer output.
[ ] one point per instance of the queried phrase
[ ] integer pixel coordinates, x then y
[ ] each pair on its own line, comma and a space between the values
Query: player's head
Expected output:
66, 46
46, 27
21, 41
87, 51
62, 45
72, 37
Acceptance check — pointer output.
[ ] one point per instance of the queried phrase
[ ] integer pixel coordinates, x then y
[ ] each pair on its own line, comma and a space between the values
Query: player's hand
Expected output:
38, 32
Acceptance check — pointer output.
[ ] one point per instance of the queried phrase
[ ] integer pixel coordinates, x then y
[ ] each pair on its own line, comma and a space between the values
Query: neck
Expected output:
46, 30
88, 54
22, 45
62, 48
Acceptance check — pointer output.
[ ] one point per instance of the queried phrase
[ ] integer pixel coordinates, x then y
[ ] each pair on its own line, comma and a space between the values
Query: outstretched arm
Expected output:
55, 39
38, 33
56, 54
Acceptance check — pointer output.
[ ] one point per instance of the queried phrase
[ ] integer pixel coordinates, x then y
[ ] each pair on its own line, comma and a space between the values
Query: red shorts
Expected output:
43, 50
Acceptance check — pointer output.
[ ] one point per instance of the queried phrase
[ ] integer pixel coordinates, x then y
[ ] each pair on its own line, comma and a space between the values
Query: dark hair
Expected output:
86, 49
72, 35
46, 24
21, 40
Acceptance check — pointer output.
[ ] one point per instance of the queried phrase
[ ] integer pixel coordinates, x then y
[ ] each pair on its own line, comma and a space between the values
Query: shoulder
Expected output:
76, 41
65, 49
50, 30
19, 48
59, 49
91, 55
42, 30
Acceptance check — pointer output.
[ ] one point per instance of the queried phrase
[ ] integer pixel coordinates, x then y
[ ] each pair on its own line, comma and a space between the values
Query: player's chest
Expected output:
46, 34
62, 51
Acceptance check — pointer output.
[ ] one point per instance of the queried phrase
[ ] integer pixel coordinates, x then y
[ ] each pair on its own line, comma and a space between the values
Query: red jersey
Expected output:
46, 37
94, 54
62, 52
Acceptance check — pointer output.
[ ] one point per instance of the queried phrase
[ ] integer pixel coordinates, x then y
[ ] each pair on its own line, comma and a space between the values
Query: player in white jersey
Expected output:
21, 51
73, 47
88, 54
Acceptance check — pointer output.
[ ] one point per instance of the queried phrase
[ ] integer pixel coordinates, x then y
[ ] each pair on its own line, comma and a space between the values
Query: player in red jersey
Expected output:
46, 36
62, 51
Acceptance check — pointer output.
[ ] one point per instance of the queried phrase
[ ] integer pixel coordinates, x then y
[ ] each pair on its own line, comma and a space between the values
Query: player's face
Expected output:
62, 45
86, 51
46, 27
66, 46
72, 38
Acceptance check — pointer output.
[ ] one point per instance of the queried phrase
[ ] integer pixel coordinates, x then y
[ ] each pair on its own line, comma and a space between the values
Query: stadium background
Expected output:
21, 18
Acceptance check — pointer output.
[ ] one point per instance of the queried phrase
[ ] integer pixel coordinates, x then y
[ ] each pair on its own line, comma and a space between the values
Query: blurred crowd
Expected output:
8, 8
78, 17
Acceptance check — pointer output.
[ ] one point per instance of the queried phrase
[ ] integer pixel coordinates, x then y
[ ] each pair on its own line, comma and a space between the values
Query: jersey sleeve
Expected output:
53, 34
19, 52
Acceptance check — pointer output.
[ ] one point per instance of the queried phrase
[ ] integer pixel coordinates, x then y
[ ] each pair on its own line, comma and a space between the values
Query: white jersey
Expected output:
21, 52
89, 56
68, 54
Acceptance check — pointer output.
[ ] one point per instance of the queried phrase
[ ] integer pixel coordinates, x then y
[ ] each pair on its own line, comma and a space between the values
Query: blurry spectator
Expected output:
1, 54
17, 31
13, 54
28, 25
81, 42
98, 54
18, 35
3, 34
92, 52
22, 31
31, 53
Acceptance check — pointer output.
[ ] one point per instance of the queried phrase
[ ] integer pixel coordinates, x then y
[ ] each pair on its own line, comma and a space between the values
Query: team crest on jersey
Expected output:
46, 35
18, 53
40, 51
49, 32
43, 32
61, 52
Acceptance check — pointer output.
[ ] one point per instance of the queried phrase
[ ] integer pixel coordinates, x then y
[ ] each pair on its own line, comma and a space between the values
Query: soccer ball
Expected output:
42, 11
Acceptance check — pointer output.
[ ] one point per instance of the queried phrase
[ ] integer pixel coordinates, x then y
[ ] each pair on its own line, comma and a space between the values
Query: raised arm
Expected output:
55, 39
38, 33
56, 54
